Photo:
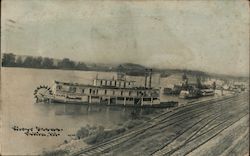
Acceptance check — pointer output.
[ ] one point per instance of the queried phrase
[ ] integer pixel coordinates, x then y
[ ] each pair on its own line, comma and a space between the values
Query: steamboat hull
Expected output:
60, 101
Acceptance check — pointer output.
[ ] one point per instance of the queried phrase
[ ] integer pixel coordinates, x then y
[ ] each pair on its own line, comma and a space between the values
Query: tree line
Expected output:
11, 60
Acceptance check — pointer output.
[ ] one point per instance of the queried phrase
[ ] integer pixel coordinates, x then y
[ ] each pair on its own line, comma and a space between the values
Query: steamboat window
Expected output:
130, 99
147, 99
59, 87
105, 91
105, 83
121, 84
72, 89
120, 98
101, 82
90, 91
121, 93
115, 83
82, 90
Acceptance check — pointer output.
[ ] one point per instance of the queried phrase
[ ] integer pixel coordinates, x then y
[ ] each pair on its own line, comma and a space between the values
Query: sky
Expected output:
211, 36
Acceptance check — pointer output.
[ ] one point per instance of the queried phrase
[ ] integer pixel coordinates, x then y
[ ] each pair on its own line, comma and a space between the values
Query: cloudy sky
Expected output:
206, 35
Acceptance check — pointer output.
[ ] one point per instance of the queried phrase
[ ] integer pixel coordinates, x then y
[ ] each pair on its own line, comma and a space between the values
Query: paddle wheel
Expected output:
43, 93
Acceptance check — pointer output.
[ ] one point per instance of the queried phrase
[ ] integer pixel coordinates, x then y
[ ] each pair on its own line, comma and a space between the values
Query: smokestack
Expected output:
146, 77
150, 77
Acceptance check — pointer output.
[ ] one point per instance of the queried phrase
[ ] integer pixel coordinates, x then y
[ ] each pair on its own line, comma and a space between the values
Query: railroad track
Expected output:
176, 116
208, 137
182, 115
215, 115
192, 106
194, 130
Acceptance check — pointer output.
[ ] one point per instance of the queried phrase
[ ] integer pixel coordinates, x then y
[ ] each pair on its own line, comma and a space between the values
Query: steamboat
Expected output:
117, 92
190, 90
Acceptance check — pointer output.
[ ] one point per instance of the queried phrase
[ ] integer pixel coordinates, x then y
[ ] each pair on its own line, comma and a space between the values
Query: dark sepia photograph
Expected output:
124, 78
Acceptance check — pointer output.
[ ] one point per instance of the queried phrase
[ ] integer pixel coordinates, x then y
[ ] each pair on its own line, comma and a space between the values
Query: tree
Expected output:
121, 69
19, 61
28, 61
37, 62
47, 63
66, 63
8, 60
81, 66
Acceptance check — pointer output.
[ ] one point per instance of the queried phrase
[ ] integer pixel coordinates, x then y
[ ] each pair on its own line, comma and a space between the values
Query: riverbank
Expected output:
90, 135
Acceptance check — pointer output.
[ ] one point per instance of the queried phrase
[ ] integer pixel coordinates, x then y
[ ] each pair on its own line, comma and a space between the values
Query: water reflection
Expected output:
87, 110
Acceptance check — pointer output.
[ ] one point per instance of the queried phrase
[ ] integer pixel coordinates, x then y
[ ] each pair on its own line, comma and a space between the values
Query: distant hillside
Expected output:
132, 66
132, 69
168, 72
230, 77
